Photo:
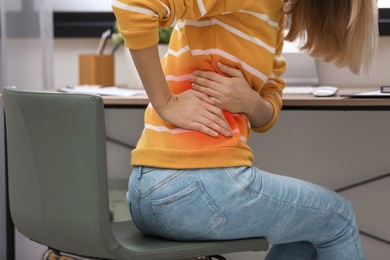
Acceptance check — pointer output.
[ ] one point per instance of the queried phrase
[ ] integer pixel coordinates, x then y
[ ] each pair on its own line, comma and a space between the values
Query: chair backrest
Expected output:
56, 160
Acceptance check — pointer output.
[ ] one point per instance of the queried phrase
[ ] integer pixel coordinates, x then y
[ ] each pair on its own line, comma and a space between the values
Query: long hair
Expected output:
341, 31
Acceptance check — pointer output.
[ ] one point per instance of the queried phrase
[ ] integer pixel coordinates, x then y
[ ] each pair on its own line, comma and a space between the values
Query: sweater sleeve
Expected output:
139, 20
273, 87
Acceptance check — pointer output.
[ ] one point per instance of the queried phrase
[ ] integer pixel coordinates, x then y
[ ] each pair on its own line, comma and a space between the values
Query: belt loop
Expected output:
140, 168
139, 182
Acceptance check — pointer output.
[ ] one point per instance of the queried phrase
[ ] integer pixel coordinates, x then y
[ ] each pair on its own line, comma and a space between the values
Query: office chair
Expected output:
57, 183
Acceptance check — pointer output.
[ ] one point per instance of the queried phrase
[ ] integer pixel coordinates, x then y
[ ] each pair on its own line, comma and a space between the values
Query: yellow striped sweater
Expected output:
245, 34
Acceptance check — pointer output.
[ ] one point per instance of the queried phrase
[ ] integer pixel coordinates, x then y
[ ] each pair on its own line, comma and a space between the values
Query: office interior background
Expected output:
330, 148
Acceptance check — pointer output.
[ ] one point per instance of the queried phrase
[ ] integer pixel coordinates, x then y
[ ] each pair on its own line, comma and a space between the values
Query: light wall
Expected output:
67, 51
330, 148
343, 147
66, 68
379, 75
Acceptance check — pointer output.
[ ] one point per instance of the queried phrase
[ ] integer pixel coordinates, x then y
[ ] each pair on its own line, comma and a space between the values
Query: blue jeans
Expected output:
301, 220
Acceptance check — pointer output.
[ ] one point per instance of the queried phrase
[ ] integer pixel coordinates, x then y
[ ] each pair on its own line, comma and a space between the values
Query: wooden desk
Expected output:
290, 102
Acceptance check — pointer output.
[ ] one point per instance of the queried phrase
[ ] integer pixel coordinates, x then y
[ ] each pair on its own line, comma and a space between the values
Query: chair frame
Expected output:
57, 183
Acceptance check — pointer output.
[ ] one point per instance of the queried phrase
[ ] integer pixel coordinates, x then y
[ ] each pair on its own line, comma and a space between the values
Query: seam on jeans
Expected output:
136, 171
321, 209
338, 235
303, 206
244, 186
144, 225
139, 213
167, 234
175, 174
214, 208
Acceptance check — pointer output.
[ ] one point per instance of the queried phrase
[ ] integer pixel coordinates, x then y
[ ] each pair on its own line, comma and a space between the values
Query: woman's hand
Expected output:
194, 110
189, 110
230, 93
233, 94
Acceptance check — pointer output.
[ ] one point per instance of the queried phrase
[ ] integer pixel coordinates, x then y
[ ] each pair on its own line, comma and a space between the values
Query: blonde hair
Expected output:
341, 31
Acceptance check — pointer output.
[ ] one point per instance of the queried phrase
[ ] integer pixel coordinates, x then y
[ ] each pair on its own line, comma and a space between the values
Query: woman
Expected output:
193, 177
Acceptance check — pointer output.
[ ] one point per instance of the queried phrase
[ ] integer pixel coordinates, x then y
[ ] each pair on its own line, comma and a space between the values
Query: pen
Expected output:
115, 48
103, 41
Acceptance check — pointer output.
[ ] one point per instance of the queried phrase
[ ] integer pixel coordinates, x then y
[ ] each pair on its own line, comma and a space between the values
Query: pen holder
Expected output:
96, 69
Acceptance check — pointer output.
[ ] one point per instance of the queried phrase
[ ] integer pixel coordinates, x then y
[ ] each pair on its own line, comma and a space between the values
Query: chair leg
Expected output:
212, 257
216, 257
47, 253
52, 254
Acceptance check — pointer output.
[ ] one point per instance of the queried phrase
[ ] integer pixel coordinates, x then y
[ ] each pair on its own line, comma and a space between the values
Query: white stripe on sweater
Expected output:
187, 22
228, 28
166, 8
178, 78
168, 14
279, 58
262, 17
166, 129
202, 8
245, 36
163, 129
179, 52
135, 9
228, 56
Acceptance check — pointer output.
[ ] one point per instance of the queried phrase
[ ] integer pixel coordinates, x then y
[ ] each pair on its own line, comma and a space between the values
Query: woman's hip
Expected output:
226, 203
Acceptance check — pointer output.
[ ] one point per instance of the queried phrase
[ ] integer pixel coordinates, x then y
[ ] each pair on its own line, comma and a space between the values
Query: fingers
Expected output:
213, 118
209, 76
217, 121
204, 97
202, 80
211, 128
211, 93
215, 77
201, 116
210, 88
214, 84
230, 71
228, 92
212, 124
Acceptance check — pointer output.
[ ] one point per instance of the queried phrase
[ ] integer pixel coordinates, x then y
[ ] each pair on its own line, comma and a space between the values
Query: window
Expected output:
384, 17
89, 18
82, 18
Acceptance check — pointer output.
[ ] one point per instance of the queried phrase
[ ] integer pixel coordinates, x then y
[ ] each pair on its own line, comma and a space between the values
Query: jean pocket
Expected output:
189, 214
145, 169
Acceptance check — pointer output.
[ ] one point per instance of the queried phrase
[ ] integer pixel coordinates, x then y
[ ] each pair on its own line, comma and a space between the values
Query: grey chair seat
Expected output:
57, 183
156, 248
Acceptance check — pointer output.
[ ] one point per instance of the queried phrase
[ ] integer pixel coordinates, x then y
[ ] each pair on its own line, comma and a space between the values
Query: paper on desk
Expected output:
105, 91
368, 94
